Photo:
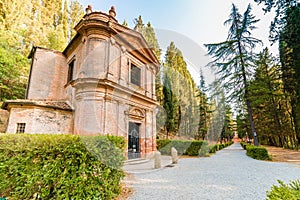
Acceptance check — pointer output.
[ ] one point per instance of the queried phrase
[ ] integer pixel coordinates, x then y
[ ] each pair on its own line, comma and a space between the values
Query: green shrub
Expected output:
198, 148
204, 151
259, 153
183, 147
163, 146
191, 148
289, 191
229, 143
180, 145
218, 147
60, 166
214, 148
244, 144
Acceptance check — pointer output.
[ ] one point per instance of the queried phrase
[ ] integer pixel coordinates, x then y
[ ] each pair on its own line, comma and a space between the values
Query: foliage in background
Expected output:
176, 91
270, 105
284, 191
280, 7
60, 166
13, 72
285, 29
46, 23
204, 109
289, 46
28, 23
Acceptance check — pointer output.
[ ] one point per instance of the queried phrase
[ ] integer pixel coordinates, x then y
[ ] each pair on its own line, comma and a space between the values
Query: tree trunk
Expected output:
250, 114
248, 102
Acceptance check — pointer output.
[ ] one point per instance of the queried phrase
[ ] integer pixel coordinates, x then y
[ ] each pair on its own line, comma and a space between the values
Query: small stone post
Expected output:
174, 155
157, 160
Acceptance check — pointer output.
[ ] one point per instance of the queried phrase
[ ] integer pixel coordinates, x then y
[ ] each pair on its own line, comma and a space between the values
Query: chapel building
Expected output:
102, 83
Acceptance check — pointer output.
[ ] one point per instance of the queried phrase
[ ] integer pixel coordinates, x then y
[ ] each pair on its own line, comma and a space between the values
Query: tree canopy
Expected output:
28, 23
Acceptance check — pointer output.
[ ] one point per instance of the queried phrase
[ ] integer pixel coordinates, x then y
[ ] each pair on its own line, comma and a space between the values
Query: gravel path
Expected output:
229, 174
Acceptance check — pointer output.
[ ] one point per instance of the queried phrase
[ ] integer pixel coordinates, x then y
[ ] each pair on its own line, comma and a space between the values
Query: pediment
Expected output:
136, 44
137, 113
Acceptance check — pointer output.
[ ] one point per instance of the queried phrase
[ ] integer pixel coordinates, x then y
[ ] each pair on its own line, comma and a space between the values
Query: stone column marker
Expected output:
174, 155
157, 160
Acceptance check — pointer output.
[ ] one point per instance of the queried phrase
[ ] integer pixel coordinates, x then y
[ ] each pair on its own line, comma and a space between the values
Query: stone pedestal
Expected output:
157, 160
174, 155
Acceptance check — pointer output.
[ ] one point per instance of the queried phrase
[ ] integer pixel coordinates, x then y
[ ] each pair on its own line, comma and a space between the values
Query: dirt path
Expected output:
284, 155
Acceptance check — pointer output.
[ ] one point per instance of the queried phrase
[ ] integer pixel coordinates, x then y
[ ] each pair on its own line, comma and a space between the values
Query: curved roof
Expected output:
132, 40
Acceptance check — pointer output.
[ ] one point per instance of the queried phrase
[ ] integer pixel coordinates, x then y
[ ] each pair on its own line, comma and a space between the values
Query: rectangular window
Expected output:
21, 127
71, 70
135, 75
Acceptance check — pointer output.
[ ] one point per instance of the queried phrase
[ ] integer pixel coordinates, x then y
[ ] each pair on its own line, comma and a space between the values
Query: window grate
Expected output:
21, 127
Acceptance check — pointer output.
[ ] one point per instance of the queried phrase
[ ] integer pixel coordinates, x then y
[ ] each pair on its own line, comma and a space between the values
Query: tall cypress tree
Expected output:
203, 108
185, 92
168, 105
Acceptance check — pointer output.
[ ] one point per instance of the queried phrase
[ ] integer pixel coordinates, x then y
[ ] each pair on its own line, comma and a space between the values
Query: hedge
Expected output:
187, 147
183, 147
218, 147
244, 144
259, 153
289, 191
60, 166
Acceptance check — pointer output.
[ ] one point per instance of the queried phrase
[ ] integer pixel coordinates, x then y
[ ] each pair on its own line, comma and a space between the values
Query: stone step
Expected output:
136, 161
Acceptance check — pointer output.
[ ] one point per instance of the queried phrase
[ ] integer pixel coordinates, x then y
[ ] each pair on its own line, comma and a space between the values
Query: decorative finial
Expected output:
88, 10
112, 11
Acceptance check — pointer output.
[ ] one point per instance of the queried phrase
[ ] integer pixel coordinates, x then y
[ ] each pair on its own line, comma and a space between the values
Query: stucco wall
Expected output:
41, 120
49, 73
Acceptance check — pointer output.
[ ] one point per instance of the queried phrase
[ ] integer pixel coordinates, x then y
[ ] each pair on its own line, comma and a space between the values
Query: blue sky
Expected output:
189, 23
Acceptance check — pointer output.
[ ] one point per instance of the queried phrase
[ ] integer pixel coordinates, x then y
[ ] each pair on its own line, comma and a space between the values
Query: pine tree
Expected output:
227, 131
290, 60
242, 124
269, 103
233, 58
281, 7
